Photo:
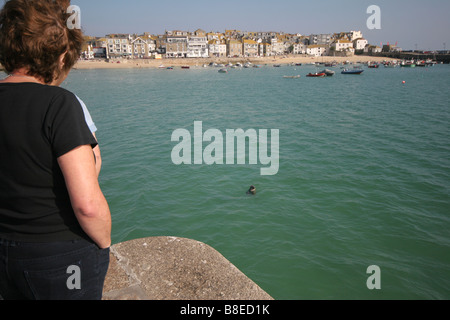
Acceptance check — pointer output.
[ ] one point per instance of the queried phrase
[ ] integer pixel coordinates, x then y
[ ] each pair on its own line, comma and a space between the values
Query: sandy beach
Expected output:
192, 62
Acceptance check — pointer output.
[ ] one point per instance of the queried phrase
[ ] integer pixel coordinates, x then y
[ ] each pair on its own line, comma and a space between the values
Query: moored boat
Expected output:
420, 63
223, 70
390, 65
352, 71
328, 72
408, 64
316, 75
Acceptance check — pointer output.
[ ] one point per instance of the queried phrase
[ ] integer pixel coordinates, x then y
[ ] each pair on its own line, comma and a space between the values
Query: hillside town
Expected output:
229, 44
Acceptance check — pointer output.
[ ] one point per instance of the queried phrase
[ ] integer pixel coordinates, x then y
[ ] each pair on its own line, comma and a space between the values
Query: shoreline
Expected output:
199, 62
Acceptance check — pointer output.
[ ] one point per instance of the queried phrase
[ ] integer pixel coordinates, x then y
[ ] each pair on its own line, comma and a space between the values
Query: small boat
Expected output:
298, 64
352, 71
430, 63
390, 65
373, 65
328, 72
223, 70
408, 64
317, 74
292, 77
421, 64
277, 65
185, 67
169, 68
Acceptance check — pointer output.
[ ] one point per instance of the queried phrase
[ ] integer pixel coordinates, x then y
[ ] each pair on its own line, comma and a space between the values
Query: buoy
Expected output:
403, 82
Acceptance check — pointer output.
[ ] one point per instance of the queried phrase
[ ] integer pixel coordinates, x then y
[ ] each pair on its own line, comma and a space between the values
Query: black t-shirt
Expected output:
38, 124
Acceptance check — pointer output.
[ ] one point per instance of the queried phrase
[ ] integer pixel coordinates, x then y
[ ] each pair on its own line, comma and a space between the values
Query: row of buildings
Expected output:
231, 43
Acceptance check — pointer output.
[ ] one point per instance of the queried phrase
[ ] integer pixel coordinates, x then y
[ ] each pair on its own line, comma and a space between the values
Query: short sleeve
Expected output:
87, 116
66, 125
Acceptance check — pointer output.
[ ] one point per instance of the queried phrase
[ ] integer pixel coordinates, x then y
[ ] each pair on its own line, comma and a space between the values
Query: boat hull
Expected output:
316, 75
328, 73
352, 71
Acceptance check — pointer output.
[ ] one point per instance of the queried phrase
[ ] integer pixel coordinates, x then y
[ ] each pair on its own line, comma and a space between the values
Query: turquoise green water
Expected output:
364, 175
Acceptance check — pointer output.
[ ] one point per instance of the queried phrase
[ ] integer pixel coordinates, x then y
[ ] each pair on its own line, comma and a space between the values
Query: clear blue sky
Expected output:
410, 22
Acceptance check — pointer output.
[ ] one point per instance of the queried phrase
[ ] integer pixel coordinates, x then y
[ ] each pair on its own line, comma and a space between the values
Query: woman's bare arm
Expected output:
88, 201
98, 157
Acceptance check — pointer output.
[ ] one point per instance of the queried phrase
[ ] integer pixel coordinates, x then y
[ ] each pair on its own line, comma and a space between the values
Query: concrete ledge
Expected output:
169, 268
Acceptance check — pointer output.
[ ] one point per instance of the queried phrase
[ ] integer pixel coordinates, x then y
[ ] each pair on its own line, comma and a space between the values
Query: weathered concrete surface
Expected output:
169, 268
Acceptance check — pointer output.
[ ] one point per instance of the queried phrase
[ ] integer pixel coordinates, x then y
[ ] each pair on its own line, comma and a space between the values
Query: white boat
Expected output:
328, 72
223, 70
292, 77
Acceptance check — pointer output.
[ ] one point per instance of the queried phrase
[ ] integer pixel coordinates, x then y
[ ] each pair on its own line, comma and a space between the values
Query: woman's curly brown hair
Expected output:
34, 34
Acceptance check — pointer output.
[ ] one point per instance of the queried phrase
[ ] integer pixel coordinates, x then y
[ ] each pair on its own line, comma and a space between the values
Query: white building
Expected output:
355, 35
317, 50
343, 45
197, 47
265, 49
299, 48
372, 49
360, 44
277, 46
217, 48
140, 48
176, 47
119, 45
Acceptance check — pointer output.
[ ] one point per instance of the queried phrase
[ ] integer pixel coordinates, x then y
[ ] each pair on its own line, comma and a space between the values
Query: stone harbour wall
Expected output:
171, 268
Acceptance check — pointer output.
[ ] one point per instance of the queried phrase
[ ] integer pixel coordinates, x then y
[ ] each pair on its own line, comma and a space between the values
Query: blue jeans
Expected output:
73, 270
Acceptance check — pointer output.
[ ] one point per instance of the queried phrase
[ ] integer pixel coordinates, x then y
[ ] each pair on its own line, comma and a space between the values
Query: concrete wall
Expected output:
169, 268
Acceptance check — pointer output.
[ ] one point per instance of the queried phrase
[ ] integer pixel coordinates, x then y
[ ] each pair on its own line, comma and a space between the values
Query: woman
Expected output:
55, 223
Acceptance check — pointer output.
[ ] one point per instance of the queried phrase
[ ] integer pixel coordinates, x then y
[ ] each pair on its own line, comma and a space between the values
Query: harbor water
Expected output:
363, 179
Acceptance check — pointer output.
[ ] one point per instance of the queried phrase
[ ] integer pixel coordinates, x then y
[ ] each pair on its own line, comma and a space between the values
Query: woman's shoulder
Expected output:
60, 95
37, 92
32, 87
60, 91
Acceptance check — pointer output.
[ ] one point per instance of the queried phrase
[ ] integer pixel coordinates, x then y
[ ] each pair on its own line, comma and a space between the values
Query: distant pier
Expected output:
444, 58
